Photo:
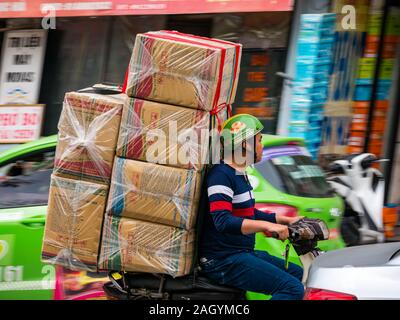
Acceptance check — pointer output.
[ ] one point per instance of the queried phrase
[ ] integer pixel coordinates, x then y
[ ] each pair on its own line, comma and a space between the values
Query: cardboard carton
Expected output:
74, 221
138, 246
154, 193
233, 56
88, 133
182, 71
165, 134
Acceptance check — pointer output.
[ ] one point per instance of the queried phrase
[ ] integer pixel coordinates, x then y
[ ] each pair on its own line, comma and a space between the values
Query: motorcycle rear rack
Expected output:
137, 293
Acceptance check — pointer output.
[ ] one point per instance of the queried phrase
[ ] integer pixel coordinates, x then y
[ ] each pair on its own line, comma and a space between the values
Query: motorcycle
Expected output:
303, 236
362, 187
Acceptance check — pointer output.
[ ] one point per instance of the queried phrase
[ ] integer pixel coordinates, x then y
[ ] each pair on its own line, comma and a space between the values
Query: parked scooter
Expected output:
303, 236
362, 188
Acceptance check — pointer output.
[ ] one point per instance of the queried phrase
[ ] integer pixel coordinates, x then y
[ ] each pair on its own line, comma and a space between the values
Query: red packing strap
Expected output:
217, 110
123, 90
237, 49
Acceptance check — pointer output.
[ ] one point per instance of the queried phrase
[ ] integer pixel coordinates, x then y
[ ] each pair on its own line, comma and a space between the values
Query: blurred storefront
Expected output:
362, 114
361, 105
92, 42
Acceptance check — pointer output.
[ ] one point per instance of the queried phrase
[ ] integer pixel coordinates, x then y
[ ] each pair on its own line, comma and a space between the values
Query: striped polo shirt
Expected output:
231, 200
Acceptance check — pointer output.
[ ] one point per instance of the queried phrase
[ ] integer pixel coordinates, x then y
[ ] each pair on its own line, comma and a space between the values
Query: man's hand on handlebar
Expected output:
275, 230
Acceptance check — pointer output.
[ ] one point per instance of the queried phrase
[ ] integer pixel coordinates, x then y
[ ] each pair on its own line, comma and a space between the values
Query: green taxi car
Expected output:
24, 185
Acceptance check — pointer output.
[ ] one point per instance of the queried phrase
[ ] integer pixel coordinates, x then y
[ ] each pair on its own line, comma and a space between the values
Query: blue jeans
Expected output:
257, 271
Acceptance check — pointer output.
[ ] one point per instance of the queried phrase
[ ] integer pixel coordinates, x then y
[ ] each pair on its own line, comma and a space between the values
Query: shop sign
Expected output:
21, 66
20, 123
40, 8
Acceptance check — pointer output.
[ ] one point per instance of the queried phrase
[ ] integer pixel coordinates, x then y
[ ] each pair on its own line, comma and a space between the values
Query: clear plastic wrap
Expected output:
154, 193
185, 70
88, 133
138, 246
165, 134
74, 222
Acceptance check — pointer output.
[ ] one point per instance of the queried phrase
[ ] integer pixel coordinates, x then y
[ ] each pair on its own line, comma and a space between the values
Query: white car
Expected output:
369, 272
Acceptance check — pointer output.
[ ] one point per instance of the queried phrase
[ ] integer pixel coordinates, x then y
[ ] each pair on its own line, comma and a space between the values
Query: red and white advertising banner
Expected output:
20, 123
64, 8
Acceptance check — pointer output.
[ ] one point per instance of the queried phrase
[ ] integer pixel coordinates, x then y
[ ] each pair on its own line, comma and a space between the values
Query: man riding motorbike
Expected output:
226, 247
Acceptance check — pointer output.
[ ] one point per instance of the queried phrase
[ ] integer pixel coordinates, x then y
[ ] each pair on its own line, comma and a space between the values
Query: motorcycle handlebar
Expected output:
335, 168
293, 235
274, 235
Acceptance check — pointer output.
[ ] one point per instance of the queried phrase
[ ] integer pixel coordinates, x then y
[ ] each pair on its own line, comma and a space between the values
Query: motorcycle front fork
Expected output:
307, 260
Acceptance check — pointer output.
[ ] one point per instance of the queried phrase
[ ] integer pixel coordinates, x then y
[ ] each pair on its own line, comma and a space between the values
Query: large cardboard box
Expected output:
164, 134
138, 246
185, 71
154, 193
88, 134
74, 221
336, 126
231, 57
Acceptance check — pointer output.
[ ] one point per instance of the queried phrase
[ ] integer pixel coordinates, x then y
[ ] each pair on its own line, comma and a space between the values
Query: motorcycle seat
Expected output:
181, 284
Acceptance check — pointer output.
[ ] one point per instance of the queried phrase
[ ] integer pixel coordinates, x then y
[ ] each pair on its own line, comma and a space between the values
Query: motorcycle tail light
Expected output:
333, 234
321, 294
279, 209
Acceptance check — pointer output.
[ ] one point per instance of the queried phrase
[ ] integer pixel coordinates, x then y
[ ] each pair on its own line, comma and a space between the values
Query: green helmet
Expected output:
239, 128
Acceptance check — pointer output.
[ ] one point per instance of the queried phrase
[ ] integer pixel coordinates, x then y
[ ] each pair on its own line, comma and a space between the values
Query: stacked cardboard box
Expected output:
368, 61
155, 193
184, 70
165, 134
135, 245
365, 81
381, 110
344, 68
87, 139
88, 132
73, 226
310, 89
177, 85
128, 172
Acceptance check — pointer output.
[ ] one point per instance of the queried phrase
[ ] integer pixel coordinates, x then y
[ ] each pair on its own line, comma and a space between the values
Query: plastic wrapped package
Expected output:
138, 246
74, 221
154, 193
88, 133
227, 48
165, 134
184, 70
